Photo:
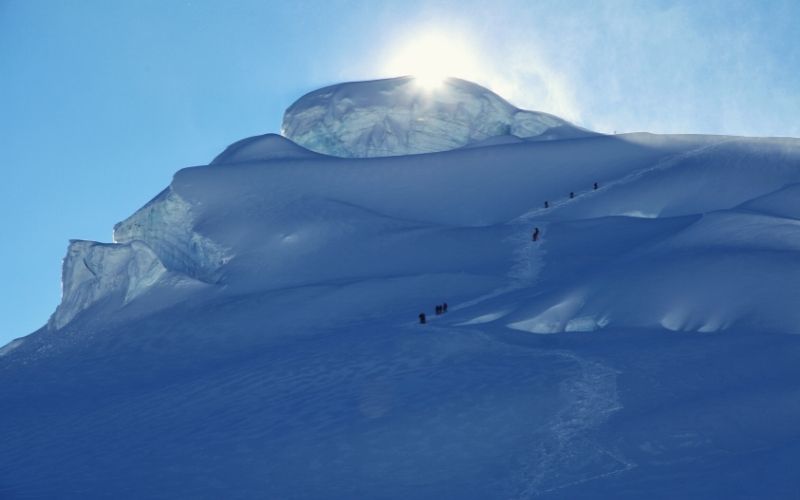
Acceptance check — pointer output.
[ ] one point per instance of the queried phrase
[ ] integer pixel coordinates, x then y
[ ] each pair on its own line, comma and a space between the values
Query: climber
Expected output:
572, 194
438, 310
546, 204
421, 318
444, 307
596, 186
535, 236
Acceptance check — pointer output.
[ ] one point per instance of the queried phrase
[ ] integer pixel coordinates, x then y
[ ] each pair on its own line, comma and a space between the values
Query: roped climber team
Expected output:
442, 308
536, 233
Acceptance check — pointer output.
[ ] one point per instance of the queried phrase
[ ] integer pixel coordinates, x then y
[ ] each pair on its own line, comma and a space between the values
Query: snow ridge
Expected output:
265, 147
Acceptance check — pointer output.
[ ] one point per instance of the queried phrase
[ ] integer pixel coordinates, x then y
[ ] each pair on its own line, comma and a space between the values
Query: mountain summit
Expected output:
399, 116
622, 317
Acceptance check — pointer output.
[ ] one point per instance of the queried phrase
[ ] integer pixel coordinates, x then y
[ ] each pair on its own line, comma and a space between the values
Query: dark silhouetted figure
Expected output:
438, 310
596, 186
421, 318
444, 307
547, 204
535, 236
572, 194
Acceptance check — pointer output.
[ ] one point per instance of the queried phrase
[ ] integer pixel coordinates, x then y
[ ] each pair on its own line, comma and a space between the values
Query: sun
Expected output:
431, 57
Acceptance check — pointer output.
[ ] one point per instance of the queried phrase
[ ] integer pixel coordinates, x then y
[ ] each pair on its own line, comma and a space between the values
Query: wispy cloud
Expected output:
727, 67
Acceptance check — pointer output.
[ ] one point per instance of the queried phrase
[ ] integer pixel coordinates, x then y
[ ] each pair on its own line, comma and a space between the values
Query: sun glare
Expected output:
432, 57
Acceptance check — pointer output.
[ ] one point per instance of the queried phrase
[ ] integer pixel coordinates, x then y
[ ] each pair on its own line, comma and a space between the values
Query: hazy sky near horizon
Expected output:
101, 101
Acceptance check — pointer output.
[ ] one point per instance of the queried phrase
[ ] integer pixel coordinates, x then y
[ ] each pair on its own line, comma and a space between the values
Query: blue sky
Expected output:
102, 101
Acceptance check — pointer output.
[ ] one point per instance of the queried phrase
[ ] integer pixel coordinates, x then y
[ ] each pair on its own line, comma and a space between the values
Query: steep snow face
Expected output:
167, 225
95, 271
398, 117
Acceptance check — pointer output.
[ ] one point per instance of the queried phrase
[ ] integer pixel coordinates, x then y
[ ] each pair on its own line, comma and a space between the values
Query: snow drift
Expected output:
262, 148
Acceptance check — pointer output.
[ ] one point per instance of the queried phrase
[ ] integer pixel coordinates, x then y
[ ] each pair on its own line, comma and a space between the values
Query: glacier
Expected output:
251, 332
398, 116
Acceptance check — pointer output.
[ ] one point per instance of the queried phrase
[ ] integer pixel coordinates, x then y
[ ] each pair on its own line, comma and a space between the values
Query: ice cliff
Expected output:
398, 116
157, 240
166, 224
96, 271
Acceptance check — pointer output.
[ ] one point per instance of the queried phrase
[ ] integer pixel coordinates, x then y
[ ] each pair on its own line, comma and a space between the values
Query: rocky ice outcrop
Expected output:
398, 116
94, 271
166, 224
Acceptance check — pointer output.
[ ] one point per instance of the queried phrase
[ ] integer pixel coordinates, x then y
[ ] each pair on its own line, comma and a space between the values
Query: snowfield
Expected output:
252, 331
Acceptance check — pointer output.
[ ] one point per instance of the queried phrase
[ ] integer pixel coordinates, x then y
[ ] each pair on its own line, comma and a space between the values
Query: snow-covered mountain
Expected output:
252, 331
399, 116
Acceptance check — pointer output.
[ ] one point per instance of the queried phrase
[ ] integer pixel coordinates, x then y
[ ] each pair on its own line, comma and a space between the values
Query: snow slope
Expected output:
398, 116
251, 333
667, 219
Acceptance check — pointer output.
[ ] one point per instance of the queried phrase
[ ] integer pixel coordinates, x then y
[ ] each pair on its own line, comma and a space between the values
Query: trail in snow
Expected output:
665, 164
529, 256
562, 451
